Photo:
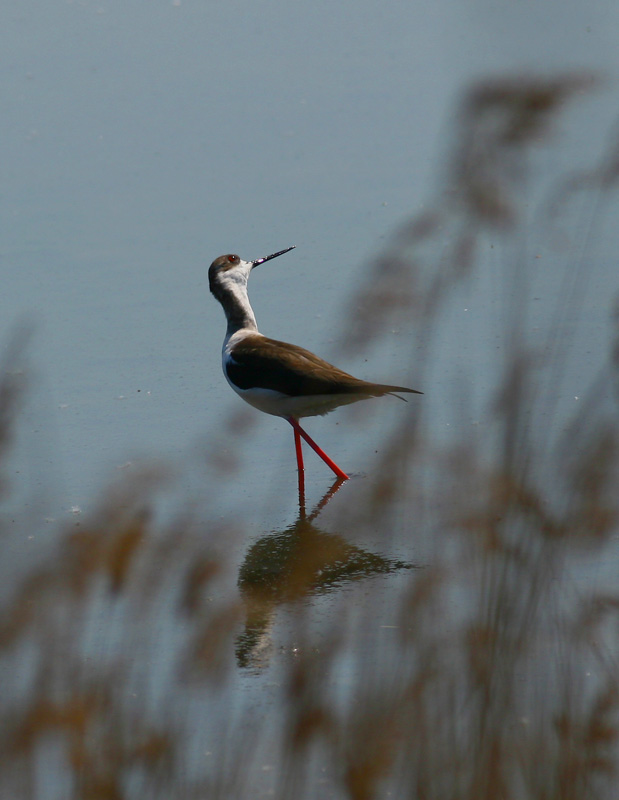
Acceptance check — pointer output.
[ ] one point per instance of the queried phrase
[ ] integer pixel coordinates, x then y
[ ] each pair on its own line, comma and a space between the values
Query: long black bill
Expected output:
274, 255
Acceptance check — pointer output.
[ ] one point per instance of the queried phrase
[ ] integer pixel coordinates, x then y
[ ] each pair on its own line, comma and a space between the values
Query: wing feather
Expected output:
260, 362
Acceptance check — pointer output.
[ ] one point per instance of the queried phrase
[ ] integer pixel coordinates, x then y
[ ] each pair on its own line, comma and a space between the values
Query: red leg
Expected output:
331, 464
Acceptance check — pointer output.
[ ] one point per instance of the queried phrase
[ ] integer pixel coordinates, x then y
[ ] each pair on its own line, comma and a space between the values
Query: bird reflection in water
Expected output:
287, 566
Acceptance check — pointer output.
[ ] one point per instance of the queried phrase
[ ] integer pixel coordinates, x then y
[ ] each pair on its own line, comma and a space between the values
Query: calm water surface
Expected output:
141, 141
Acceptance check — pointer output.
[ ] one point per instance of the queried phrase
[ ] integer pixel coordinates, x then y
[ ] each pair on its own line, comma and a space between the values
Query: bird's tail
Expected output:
378, 389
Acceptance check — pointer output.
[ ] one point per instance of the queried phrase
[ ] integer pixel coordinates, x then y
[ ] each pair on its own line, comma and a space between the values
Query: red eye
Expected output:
233, 259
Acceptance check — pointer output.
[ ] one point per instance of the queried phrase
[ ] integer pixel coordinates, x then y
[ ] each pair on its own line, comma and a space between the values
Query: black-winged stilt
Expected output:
276, 377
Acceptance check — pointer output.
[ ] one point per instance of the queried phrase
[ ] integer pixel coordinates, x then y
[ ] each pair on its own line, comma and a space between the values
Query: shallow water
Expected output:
140, 142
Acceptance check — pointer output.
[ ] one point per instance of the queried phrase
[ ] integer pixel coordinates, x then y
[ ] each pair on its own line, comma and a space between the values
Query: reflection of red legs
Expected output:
302, 514
299, 450
298, 431
328, 495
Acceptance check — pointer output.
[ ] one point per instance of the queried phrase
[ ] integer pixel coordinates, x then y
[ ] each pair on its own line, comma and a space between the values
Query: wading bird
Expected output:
275, 377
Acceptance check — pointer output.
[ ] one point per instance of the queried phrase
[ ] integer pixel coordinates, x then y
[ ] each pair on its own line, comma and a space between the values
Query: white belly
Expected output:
281, 405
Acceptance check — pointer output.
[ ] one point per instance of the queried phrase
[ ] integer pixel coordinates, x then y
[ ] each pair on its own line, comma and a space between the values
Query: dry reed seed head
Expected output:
124, 546
390, 294
495, 117
239, 423
463, 252
497, 120
595, 612
419, 603
593, 483
421, 228
73, 717
481, 641
373, 735
84, 555
19, 615
518, 110
222, 456
12, 388
211, 651
589, 733
197, 578
111, 548
311, 723
156, 748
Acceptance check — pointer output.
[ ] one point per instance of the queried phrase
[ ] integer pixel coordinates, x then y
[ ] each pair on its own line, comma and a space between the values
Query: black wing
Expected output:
259, 362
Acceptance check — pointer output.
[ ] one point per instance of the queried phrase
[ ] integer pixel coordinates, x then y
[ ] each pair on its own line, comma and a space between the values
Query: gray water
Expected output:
142, 140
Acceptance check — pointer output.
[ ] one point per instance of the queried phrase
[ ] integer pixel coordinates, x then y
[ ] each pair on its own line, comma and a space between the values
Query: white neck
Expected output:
230, 288
237, 308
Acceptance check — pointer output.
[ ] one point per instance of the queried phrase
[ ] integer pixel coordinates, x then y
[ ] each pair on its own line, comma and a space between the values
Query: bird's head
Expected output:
230, 271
